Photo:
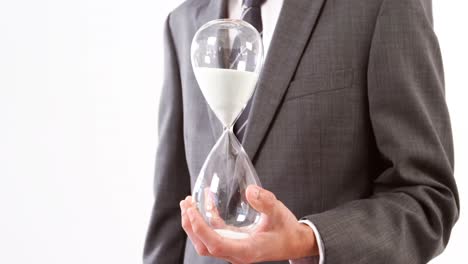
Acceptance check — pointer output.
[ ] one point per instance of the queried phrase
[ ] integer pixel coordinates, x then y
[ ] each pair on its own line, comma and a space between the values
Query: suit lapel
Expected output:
293, 29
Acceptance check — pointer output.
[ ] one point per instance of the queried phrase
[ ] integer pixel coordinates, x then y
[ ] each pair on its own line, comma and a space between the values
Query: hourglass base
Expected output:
231, 234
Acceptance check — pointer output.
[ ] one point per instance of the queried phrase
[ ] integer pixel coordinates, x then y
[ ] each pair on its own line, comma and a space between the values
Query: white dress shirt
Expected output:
270, 13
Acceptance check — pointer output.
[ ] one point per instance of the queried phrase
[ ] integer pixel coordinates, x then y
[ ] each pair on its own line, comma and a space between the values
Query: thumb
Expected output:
261, 200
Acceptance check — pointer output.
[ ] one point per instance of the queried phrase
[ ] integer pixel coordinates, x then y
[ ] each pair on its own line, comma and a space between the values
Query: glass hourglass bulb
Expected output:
227, 56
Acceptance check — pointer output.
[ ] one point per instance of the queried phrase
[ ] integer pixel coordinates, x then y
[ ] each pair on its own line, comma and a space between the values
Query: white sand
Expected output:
226, 91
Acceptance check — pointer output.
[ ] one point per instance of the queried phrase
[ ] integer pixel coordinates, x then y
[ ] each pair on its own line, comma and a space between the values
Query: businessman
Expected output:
348, 130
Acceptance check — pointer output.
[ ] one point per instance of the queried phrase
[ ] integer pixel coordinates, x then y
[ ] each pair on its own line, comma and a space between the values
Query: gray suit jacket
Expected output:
349, 128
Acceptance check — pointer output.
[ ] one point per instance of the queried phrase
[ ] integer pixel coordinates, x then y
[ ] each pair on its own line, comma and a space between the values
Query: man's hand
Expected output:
279, 235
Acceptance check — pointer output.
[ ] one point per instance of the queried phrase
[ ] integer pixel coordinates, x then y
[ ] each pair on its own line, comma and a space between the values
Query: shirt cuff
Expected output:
321, 248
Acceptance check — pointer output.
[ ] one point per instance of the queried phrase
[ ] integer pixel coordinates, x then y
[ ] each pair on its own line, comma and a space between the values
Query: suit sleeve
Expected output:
165, 240
414, 204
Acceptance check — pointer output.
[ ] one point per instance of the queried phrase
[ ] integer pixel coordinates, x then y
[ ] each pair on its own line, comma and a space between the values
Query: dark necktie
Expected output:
251, 13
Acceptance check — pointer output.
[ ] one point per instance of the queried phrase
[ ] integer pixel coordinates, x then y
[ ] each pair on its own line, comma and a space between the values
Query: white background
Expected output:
79, 86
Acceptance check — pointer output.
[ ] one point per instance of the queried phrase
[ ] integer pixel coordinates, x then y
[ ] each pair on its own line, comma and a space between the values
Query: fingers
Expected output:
217, 246
206, 235
186, 225
261, 200
206, 241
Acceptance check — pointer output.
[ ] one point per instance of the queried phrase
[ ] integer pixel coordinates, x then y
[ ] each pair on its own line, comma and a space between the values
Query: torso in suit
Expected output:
348, 127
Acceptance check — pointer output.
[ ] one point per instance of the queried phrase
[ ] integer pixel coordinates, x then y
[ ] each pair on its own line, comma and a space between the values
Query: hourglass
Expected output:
227, 56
